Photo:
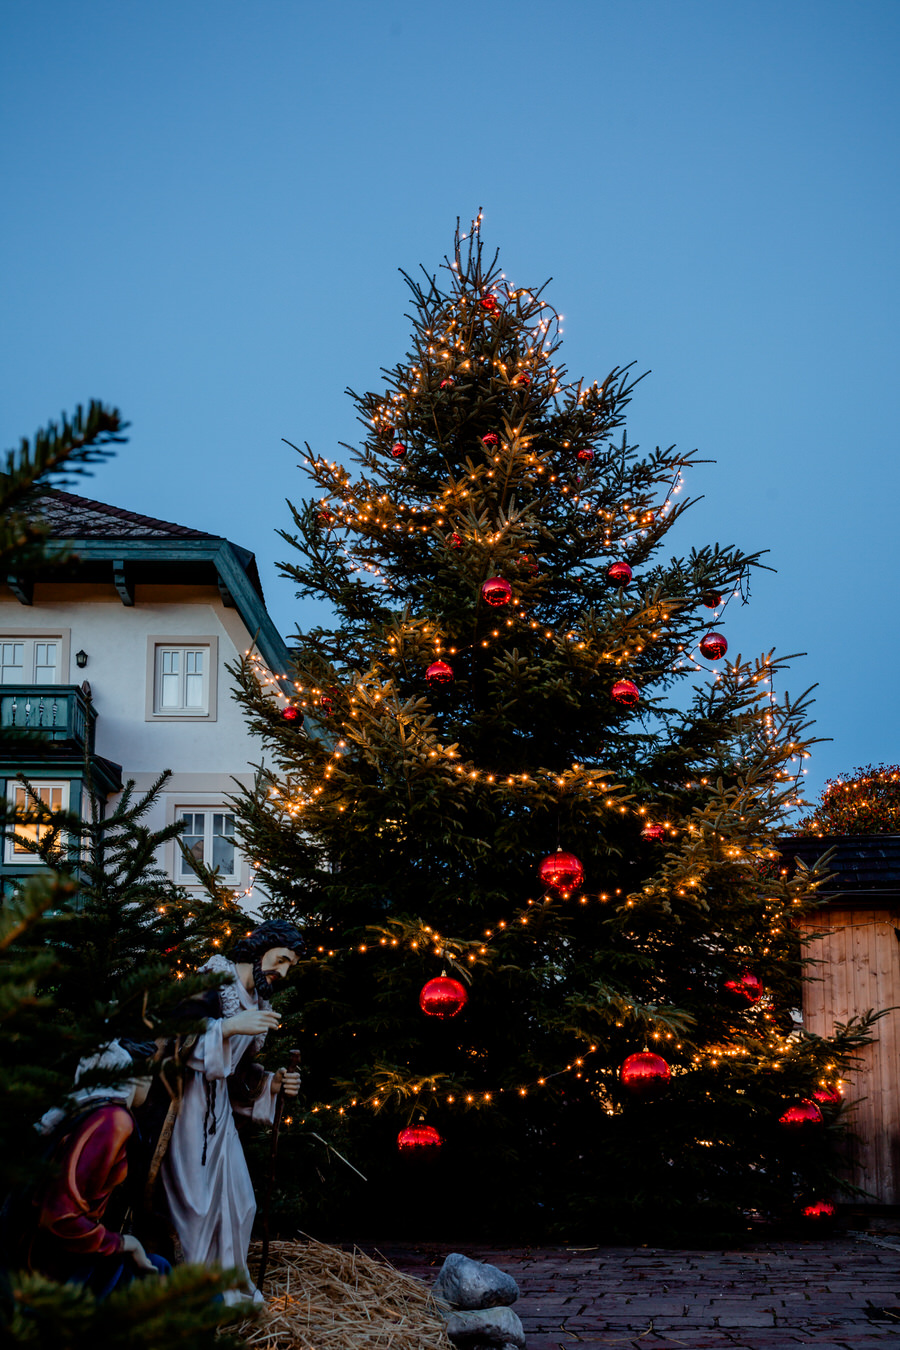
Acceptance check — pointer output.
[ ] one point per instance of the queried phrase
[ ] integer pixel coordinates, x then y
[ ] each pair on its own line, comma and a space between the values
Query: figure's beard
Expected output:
261, 982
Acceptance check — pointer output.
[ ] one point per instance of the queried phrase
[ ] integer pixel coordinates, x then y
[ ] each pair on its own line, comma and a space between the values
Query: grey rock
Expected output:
486, 1329
471, 1285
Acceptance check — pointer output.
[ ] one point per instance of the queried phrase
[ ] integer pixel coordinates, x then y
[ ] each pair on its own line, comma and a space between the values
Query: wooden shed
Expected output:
858, 950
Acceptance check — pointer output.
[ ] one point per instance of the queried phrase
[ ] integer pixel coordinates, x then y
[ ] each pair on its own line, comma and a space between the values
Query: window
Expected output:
53, 795
181, 678
209, 837
25, 660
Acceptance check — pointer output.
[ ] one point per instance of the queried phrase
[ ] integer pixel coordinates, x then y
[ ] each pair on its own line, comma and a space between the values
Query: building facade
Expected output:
117, 655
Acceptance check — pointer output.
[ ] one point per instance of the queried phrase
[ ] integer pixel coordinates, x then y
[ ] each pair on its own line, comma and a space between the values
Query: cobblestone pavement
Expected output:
833, 1294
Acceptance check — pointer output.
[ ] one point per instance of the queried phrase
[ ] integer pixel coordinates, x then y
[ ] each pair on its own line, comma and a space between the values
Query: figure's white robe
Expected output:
212, 1204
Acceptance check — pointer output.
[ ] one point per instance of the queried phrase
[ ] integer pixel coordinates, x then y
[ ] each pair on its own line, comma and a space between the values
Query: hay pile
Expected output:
321, 1298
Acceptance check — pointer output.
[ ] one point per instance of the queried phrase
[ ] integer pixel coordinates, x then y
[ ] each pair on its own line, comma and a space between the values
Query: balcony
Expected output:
59, 713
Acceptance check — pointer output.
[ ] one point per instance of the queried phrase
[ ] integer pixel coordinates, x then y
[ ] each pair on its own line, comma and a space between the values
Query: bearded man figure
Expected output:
204, 1173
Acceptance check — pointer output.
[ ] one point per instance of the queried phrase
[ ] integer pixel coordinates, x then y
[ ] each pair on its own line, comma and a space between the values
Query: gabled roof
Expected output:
109, 544
71, 517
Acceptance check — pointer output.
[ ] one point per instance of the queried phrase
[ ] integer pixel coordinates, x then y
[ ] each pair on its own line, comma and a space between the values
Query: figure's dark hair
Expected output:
273, 933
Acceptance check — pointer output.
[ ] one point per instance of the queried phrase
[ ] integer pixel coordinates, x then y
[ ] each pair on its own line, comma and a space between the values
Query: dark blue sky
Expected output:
206, 206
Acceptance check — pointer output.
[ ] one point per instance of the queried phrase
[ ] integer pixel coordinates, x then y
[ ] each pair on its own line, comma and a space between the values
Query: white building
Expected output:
124, 647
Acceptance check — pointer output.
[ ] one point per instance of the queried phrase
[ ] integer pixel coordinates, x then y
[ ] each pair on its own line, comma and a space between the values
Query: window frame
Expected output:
31, 636
210, 809
157, 642
13, 786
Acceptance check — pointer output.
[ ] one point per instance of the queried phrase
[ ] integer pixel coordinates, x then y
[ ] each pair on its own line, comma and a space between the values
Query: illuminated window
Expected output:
55, 796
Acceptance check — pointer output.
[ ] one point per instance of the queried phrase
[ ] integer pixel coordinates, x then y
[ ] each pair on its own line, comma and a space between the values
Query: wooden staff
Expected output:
293, 1066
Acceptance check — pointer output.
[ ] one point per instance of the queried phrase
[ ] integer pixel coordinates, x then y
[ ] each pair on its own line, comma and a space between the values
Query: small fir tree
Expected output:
51, 1009
516, 669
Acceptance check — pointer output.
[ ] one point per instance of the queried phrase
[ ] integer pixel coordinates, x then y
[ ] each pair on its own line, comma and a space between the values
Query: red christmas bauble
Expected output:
490, 439
398, 449
645, 1074
822, 1211
488, 302
418, 1139
455, 541
496, 591
746, 991
325, 517
439, 673
626, 692
654, 832
444, 383
522, 379
527, 564
292, 713
619, 573
443, 997
585, 456
829, 1096
711, 599
327, 705
561, 872
803, 1116
713, 646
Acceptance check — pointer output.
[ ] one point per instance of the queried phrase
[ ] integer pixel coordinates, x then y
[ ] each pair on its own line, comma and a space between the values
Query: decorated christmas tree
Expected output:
524, 804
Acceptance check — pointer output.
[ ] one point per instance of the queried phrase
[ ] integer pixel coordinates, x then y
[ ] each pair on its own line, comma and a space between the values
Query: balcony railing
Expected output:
61, 713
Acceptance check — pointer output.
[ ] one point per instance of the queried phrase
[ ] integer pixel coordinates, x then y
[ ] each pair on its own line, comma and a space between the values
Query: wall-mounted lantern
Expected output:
81, 659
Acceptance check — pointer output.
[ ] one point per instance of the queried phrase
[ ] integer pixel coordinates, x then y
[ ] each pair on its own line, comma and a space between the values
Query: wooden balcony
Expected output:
59, 713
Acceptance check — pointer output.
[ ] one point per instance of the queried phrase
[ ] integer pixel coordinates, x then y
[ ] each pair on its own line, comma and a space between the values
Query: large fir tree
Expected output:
517, 668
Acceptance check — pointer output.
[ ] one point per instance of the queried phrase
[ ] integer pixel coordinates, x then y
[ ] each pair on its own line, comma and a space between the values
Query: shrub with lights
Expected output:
867, 801
523, 816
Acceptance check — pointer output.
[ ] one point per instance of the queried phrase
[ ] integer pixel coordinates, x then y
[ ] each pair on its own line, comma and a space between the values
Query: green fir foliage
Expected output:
402, 820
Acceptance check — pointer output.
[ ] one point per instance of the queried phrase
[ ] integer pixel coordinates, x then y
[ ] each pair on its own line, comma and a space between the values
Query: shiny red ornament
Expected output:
626, 692
292, 713
619, 573
443, 997
585, 456
829, 1096
455, 541
527, 564
418, 1139
653, 832
496, 591
522, 379
561, 872
439, 673
327, 705
713, 646
325, 517
801, 1117
711, 599
444, 383
490, 439
398, 449
489, 302
645, 1074
746, 991
820, 1212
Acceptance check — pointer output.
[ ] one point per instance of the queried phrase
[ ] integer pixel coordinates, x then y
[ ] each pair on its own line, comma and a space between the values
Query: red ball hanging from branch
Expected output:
585, 456
445, 383
626, 692
454, 541
398, 449
490, 439
645, 1074
744, 991
711, 599
713, 646
496, 591
561, 872
489, 302
419, 1139
619, 573
829, 1096
292, 714
821, 1212
523, 378
443, 997
439, 673
653, 832
802, 1118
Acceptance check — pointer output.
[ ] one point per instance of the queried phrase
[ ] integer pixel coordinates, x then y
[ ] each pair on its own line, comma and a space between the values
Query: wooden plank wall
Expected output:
859, 970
